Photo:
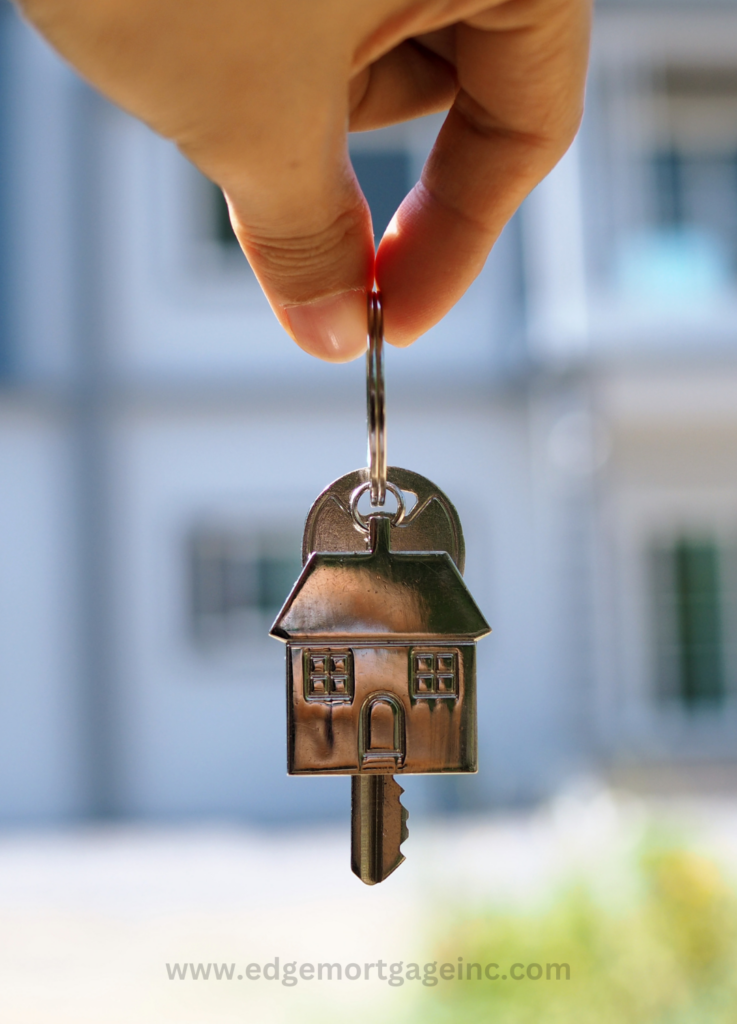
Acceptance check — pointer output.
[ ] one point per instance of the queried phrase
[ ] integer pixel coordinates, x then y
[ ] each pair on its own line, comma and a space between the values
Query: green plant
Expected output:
666, 957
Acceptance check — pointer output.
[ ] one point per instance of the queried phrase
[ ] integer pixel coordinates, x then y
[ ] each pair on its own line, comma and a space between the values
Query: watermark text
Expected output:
292, 972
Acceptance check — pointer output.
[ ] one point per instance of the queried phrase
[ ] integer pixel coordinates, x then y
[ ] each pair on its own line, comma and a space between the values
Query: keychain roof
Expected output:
401, 595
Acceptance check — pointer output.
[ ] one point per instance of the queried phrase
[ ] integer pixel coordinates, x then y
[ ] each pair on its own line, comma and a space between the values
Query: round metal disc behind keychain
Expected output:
381, 638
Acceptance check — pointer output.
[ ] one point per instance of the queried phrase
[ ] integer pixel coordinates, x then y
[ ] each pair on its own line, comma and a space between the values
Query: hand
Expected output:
260, 95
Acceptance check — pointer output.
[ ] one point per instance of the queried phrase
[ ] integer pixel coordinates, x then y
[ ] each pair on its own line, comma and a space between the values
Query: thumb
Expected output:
305, 228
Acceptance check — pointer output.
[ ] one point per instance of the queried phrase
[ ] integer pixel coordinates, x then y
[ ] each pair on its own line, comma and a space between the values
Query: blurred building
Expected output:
161, 441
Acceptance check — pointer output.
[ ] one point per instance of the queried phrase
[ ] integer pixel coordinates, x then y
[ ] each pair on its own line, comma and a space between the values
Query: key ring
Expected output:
376, 409
359, 520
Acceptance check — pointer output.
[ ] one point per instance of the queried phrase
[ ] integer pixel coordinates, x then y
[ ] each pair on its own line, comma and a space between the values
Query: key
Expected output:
378, 827
381, 634
381, 673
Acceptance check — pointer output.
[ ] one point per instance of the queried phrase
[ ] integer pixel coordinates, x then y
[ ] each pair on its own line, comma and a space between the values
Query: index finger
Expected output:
521, 68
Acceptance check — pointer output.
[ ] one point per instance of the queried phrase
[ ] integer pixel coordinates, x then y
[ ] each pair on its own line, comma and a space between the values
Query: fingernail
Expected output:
333, 329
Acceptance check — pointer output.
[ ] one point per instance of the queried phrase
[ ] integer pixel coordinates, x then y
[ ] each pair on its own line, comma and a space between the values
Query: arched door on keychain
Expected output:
381, 734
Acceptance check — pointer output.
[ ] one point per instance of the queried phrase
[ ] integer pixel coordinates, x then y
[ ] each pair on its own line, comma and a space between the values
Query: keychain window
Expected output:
434, 673
328, 675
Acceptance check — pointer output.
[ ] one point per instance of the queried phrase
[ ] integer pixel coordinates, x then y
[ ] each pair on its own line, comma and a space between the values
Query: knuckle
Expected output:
301, 265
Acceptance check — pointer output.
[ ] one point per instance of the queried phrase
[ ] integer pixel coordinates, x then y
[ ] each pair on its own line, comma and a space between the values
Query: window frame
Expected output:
223, 628
435, 672
309, 654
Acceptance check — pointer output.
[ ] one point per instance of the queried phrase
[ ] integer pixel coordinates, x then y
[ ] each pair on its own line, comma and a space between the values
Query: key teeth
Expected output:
403, 831
392, 803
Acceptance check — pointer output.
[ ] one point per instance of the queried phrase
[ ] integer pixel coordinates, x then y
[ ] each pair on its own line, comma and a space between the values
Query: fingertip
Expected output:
333, 328
400, 281
394, 331
426, 260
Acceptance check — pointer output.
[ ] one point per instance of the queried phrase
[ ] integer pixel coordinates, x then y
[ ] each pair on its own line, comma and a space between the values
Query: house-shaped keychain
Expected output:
381, 662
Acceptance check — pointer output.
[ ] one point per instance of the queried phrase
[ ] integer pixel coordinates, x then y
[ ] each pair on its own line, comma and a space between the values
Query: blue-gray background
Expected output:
161, 440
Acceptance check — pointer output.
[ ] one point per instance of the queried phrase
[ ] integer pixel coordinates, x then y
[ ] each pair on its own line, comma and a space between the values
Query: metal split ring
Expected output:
376, 409
360, 520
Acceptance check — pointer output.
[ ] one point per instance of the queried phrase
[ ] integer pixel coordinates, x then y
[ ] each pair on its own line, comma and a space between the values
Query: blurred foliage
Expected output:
668, 956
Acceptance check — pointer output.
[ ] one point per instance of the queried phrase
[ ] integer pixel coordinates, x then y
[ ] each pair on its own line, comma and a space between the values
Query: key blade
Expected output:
378, 827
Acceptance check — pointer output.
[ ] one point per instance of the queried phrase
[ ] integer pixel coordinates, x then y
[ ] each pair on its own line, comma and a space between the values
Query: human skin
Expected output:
260, 96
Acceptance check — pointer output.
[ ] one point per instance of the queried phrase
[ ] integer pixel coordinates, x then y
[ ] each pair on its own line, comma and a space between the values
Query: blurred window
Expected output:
238, 582
384, 177
694, 161
690, 607
687, 245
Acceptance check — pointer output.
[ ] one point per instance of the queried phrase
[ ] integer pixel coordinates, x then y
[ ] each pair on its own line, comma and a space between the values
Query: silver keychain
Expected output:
381, 638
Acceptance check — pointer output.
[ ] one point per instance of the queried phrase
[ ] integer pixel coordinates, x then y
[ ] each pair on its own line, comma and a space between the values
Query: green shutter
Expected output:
687, 585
